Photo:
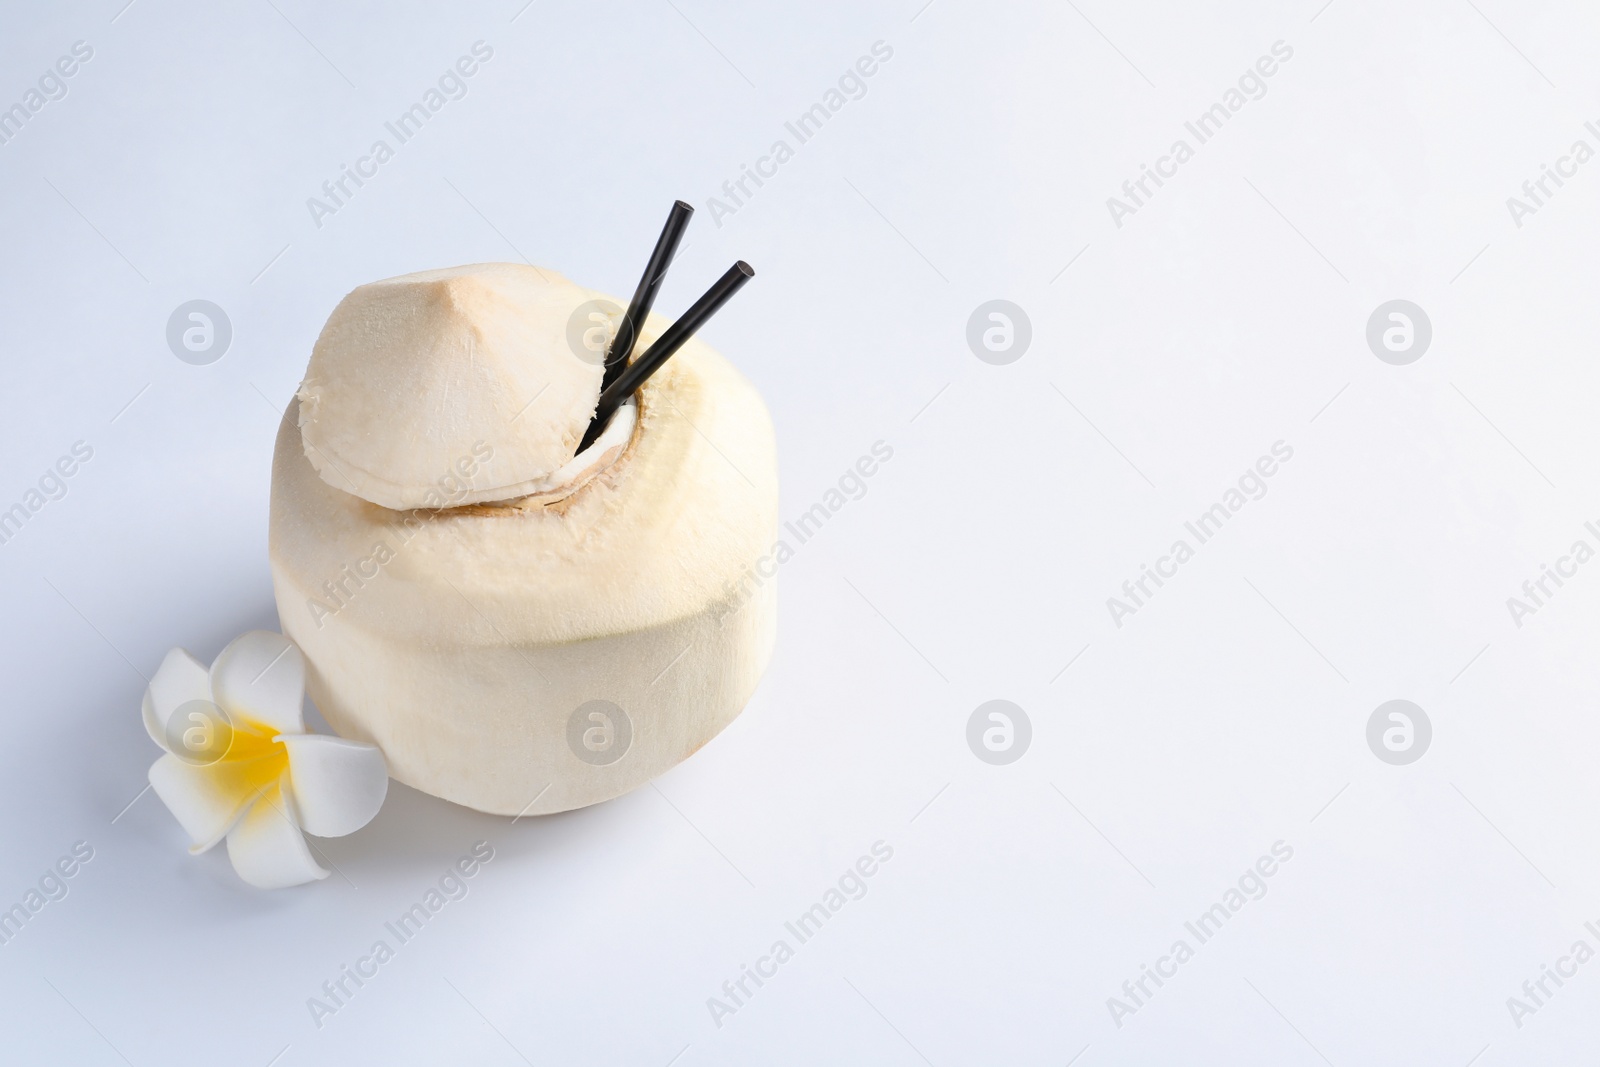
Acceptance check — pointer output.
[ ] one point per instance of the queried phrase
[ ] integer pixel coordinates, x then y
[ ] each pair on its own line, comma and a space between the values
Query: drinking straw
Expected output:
639, 371
644, 297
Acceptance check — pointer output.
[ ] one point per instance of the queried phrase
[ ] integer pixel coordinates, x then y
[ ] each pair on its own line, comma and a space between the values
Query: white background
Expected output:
1229, 713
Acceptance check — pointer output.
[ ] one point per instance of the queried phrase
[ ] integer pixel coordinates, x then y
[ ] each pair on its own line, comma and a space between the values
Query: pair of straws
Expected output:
622, 378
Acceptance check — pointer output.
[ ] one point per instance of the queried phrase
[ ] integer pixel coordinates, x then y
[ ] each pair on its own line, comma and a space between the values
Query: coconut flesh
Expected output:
521, 629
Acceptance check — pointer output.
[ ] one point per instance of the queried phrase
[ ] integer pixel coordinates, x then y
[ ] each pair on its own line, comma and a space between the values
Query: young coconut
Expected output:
520, 629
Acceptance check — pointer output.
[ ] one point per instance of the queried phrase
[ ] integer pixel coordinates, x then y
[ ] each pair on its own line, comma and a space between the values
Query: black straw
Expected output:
644, 297
637, 372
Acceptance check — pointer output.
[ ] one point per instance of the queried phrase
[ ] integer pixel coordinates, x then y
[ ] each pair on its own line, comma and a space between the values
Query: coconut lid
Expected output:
451, 387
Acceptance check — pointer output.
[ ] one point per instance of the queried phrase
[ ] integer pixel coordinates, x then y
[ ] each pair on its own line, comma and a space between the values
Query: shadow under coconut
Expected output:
415, 835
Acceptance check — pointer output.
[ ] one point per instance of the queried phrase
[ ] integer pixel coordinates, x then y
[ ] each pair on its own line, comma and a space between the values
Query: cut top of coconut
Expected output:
455, 386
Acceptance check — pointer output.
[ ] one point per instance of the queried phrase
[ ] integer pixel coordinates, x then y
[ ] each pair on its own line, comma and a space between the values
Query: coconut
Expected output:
520, 629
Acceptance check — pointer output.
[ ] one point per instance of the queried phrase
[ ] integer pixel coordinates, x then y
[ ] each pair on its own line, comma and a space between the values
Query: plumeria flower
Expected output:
239, 763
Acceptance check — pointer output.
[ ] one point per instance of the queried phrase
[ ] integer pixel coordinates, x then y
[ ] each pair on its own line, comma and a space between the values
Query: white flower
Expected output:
239, 763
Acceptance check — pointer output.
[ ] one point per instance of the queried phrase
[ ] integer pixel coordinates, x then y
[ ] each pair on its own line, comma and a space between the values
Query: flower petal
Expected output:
338, 785
262, 676
180, 679
206, 801
266, 847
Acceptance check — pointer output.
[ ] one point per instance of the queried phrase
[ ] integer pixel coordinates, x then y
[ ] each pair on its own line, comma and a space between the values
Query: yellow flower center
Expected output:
254, 762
